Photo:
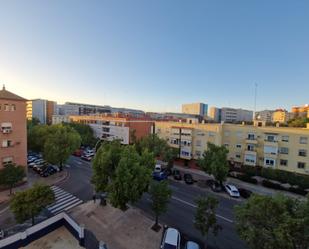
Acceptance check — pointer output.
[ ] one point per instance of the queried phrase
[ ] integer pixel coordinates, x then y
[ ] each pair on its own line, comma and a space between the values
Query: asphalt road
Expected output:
181, 208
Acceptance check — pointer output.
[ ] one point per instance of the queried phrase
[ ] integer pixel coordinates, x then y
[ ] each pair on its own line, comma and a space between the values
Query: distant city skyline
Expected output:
156, 56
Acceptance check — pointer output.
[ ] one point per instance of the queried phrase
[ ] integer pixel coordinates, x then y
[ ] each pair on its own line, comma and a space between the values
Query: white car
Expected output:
232, 190
171, 239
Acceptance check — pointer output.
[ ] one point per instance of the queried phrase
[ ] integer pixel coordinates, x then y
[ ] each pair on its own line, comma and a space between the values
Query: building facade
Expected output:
59, 119
282, 148
116, 127
200, 109
215, 114
300, 111
41, 109
13, 133
281, 116
86, 109
265, 115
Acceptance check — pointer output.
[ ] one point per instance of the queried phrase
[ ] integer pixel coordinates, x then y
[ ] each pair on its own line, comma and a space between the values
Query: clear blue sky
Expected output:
157, 54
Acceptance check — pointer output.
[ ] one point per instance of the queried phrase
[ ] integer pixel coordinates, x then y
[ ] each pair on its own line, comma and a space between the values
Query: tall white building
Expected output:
230, 115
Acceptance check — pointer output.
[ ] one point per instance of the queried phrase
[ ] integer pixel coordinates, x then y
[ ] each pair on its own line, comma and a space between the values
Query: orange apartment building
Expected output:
13, 129
300, 111
122, 127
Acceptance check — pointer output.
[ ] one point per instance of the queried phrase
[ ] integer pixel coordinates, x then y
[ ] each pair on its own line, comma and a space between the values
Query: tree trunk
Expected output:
32, 219
157, 220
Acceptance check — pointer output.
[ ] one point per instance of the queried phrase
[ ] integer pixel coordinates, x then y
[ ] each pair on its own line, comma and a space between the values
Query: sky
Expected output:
155, 55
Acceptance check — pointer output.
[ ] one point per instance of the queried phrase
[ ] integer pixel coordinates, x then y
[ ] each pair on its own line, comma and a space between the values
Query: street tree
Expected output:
130, 180
214, 162
29, 203
104, 164
152, 143
274, 222
147, 159
169, 154
11, 174
37, 136
61, 142
86, 133
160, 194
205, 217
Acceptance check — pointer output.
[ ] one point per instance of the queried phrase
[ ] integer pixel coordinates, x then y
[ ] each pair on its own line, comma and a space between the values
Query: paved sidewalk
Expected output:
32, 179
118, 229
201, 175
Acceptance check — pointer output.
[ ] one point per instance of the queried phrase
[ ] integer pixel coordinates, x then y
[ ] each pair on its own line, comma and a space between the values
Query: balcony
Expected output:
251, 141
250, 152
272, 143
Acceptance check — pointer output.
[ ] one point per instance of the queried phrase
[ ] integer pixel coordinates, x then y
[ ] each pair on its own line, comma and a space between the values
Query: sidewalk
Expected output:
258, 189
119, 230
32, 178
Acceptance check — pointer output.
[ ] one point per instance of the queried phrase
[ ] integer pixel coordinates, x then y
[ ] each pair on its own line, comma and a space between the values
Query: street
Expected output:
180, 211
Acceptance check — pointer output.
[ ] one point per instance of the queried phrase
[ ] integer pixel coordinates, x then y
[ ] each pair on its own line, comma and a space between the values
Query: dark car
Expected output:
245, 193
177, 175
159, 176
188, 178
49, 170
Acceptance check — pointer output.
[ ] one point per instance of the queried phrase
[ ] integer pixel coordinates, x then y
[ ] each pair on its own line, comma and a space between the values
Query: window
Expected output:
238, 156
198, 153
211, 134
250, 147
7, 143
226, 145
301, 165
302, 152
13, 107
238, 146
271, 138
283, 162
250, 158
285, 138
251, 136
198, 142
269, 162
7, 160
284, 150
270, 150
303, 140
6, 107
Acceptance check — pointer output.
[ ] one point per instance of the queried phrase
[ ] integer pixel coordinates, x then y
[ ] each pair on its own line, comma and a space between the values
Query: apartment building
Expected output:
215, 114
200, 109
110, 127
230, 115
283, 148
13, 130
281, 116
41, 109
86, 109
300, 111
265, 115
59, 119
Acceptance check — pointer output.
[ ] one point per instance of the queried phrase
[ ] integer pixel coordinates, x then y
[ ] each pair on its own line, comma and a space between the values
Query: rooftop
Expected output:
4, 94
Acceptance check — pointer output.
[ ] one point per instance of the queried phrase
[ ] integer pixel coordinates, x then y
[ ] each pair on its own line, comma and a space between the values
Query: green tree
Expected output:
160, 194
130, 180
86, 133
169, 155
298, 122
104, 164
10, 175
29, 203
205, 217
152, 143
147, 159
214, 162
60, 144
37, 136
274, 222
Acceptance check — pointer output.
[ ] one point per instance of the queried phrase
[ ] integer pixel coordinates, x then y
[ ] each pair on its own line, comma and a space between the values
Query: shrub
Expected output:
247, 178
298, 191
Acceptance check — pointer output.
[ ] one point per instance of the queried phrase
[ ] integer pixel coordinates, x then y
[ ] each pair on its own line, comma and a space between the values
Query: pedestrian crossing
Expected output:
63, 201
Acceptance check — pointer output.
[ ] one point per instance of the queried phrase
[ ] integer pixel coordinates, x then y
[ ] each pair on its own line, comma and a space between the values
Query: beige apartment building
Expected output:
281, 116
200, 109
13, 129
283, 148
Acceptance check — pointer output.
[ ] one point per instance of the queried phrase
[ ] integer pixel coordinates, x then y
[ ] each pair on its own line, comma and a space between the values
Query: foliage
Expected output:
104, 164
246, 178
61, 142
37, 136
214, 162
86, 133
122, 172
205, 217
152, 143
29, 203
272, 185
130, 180
298, 122
274, 222
160, 194
169, 155
10, 175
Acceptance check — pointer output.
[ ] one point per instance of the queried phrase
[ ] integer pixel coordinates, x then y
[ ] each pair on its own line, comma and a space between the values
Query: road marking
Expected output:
194, 206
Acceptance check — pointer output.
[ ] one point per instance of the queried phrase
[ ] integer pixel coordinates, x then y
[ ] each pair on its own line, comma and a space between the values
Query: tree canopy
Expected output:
298, 122
29, 203
86, 133
11, 174
214, 162
274, 222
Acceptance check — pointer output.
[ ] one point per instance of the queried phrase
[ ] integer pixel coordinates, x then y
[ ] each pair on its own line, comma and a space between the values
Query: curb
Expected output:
63, 179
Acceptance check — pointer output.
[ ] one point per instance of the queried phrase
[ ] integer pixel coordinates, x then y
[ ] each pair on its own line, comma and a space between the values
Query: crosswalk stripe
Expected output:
63, 201
65, 205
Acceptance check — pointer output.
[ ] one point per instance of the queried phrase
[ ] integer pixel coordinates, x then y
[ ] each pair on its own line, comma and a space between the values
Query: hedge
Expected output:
272, 185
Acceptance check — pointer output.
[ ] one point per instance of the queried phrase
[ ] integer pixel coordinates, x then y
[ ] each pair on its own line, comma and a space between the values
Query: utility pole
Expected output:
255, 95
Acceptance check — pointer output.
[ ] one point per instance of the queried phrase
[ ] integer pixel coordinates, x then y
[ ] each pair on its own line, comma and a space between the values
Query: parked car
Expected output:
245, 193
177, 175
159, 176
78, 153
157, 168
191, 245
49, 170
171, 239
86, 157
188, 178
232, 190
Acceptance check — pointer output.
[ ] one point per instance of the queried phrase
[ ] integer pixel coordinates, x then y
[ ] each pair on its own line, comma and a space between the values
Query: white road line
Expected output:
56, 205
194, 206
66, 205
